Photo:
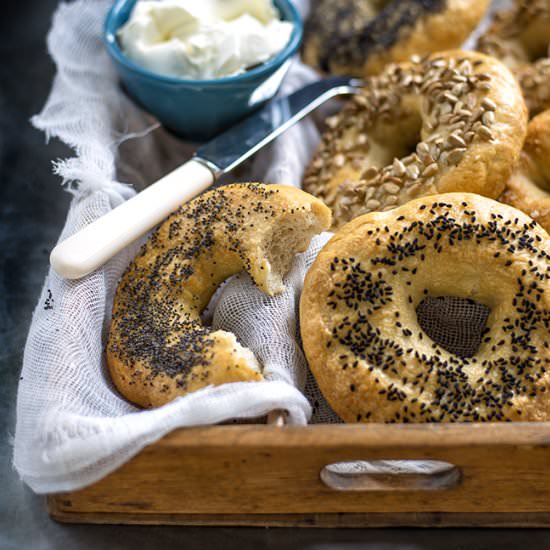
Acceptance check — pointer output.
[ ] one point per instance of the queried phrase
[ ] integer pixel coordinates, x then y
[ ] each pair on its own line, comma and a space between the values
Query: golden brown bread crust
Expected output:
360, 331
455, 121
158, 348
358, 37
520, 38
528, 189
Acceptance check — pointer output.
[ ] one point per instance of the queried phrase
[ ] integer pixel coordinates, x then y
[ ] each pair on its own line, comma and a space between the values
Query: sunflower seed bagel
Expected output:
520, 38
528, 189
158, 348
452, 122
358, 37
362, 338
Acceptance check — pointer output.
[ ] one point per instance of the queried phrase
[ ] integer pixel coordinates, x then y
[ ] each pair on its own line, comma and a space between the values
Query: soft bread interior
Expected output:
291, 235
239, 354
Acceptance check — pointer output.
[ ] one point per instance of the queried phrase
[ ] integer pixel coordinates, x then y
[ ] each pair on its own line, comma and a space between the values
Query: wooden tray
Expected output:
498, 475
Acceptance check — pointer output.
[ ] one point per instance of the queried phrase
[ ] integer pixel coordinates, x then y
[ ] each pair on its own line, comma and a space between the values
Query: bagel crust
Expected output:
360, 331
358, 37
158, 348
454, 122
520, 38
529, 187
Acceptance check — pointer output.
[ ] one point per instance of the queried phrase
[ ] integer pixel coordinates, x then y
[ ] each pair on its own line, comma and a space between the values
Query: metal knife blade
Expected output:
240, 142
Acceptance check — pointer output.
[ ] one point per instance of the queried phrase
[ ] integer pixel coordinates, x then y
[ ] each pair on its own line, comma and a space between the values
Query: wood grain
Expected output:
270, 475
350, 520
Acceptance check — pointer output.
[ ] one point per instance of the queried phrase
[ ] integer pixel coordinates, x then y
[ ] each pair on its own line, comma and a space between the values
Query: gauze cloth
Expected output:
72, 427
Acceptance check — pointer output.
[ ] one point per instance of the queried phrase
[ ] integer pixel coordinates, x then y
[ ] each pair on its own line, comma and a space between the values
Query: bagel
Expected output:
158, 348
360, 305
358, 37
529, 187
455, 121
520, 38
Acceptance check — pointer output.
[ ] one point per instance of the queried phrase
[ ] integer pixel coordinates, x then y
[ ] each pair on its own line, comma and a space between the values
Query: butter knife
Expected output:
98, 242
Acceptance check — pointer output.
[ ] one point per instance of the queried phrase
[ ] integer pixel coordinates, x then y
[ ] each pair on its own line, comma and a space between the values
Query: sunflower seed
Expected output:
373, 204
488, 118
398, 168
456, 140
484, 133
458, 107
391, 188
422, 149
445, 108
434, 151
413, 171
488, 104
339, 160
455, 156
458, 89
332, 121
470, 101
430, 170
370, 173
450, 97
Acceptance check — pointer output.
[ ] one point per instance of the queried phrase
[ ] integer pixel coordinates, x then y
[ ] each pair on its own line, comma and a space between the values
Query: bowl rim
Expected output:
110, 40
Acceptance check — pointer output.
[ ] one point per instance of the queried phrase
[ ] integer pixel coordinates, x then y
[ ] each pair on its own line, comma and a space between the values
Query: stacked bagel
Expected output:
358, 37
520, 38
454, 121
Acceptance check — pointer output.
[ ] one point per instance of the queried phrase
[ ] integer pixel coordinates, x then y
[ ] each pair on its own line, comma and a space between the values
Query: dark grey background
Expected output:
33, 208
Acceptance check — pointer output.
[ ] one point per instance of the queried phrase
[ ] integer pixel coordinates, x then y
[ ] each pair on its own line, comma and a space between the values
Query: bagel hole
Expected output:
396, 138
455, 324
534, 40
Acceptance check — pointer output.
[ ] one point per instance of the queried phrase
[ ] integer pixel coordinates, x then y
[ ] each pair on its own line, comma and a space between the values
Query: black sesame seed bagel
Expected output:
358, 310
529, 187
520, 38
358, 37
454, 121
158, 348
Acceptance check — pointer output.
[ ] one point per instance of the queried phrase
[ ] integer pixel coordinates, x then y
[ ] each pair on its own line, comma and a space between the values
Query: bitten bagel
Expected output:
358, 37
529, 187
455, 121
520, 38
361, 334
158, 348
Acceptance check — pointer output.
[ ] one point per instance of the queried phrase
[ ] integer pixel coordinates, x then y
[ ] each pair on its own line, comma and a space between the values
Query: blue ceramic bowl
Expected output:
198, 110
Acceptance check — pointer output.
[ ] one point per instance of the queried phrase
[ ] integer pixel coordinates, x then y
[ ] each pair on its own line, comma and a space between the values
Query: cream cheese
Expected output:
203, 39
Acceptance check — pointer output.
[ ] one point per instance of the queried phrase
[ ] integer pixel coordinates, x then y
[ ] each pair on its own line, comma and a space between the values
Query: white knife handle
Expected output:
98, 242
